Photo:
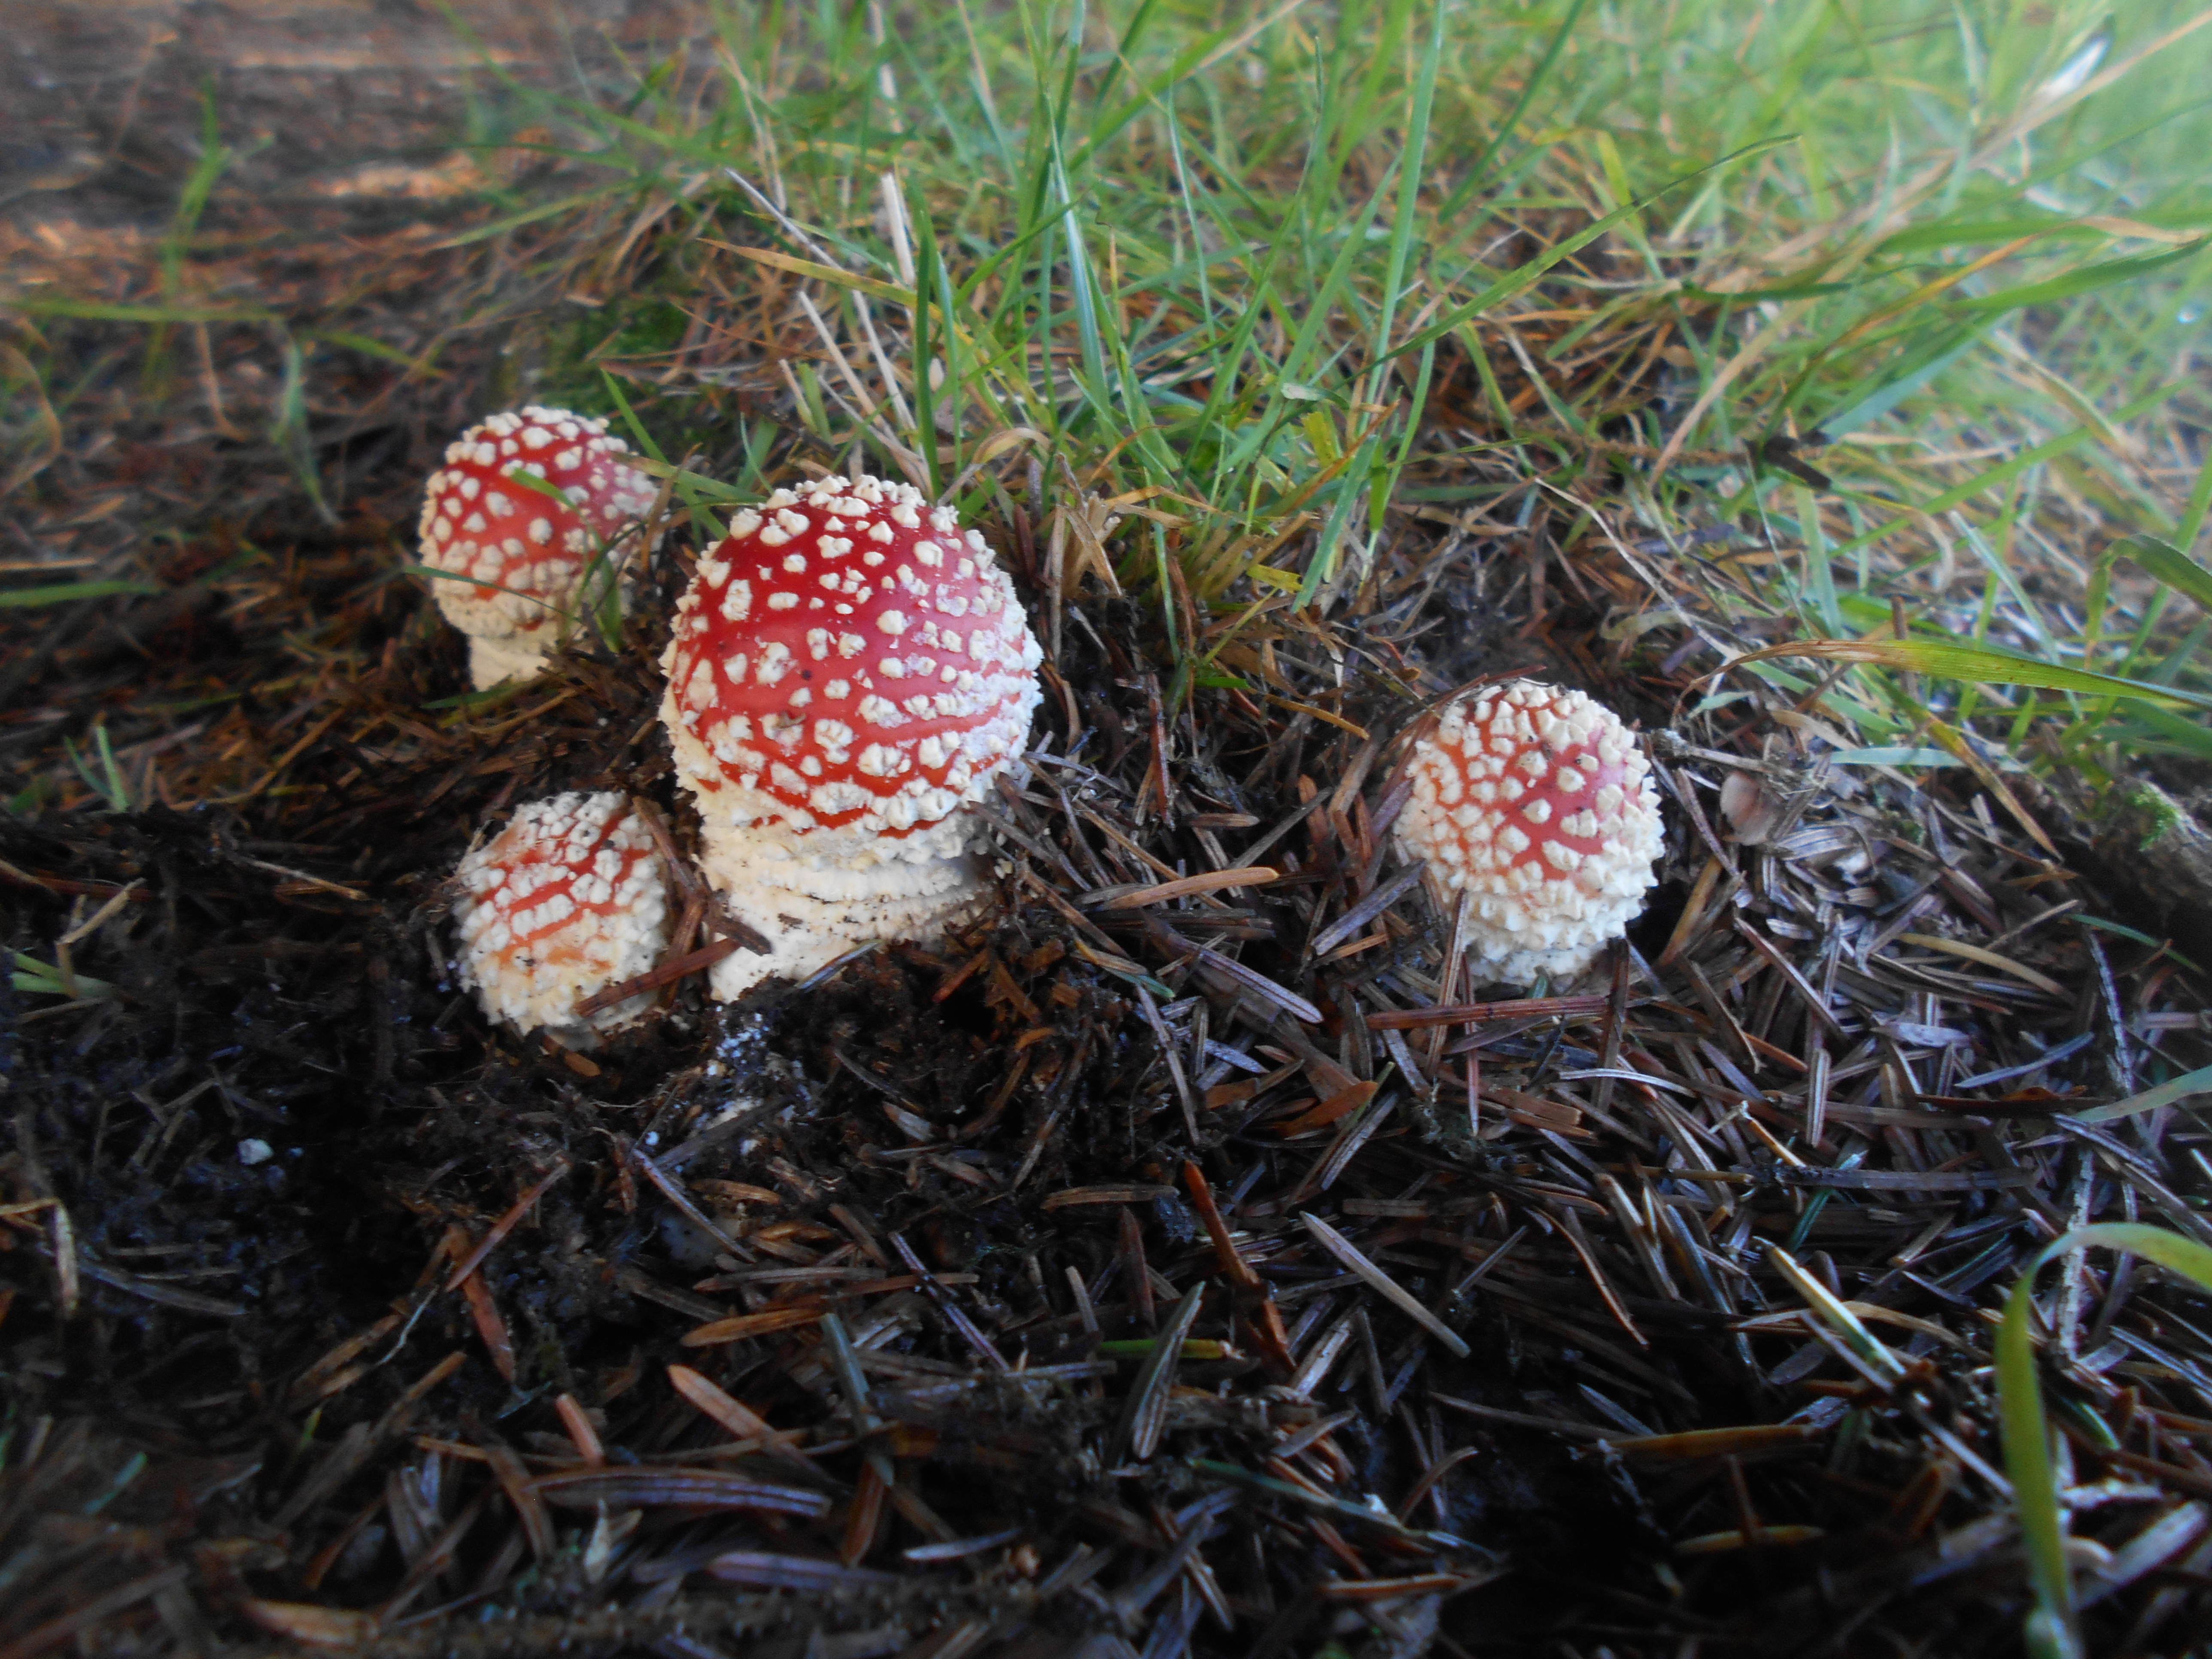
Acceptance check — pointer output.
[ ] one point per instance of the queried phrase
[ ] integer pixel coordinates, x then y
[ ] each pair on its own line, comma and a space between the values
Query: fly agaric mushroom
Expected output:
849, 670
521, 507
1535, 803
567, 900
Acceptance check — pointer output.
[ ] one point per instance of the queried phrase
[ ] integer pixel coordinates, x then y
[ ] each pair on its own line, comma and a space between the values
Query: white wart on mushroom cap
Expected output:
569, 898
1536, 802
849, 671
525, 551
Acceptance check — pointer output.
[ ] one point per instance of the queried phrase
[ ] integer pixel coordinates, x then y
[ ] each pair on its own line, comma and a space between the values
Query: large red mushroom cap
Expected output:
848, 656
524, 550
1536, 802
849, 670
568, 899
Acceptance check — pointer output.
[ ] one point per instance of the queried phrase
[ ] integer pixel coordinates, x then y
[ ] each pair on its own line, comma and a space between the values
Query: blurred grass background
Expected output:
1277, 275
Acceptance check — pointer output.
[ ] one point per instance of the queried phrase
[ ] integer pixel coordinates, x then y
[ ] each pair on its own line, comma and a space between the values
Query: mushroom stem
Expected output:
818, 893
518, 657
814, 911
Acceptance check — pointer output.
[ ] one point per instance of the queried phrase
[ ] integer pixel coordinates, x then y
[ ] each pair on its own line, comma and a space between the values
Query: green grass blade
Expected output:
2025, 1429
1410, 179
1879, 402
543, 211
46, 978
1976, 664
288, 432
2085, 281
31, 599
1819, 565
644, 439
2160, 726
2188, 1086
924, 394
2170, 565
1846, 1324
2200, 503
430, 571
873, 287
100, 311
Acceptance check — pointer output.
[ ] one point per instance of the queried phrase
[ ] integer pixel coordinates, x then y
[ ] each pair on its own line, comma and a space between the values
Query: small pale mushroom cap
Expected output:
486, 516
1535, 802
849, 671
569, 898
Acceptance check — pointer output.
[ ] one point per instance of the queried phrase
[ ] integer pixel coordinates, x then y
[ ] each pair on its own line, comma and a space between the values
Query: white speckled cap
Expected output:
849, 670
567, 900
848, 658
523, 503
1535, 801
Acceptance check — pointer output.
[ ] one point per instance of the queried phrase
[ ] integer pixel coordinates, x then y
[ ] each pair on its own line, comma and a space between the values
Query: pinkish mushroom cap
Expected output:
1536, 803
487, 516
568, 899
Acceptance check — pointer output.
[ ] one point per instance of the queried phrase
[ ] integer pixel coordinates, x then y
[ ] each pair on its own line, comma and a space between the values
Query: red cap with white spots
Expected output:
848, 657
487, 516
567, 900
1536, 802
849, 670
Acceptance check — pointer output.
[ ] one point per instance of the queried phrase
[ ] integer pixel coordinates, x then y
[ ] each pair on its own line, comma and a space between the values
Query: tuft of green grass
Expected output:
102, 771
1878, 321
1904, 300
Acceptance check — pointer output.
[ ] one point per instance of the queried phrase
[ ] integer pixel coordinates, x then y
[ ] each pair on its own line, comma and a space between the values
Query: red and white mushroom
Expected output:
525, 551
570, 898
1536, 803
849, 670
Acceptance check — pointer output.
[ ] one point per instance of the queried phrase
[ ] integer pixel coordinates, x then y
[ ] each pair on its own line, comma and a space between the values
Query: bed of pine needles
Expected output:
1185, 1259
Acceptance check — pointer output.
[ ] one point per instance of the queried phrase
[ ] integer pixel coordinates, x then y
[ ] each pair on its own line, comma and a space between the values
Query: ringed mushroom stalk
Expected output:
1535, 803
569, 898
849, 671
527, 507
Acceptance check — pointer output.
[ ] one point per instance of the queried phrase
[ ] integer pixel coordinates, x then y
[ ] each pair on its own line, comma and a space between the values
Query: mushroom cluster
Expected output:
524, 506
1536, 803
570, 898
849, 671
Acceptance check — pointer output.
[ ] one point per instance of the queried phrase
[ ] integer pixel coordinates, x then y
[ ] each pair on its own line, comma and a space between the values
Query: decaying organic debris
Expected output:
1181, 1252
